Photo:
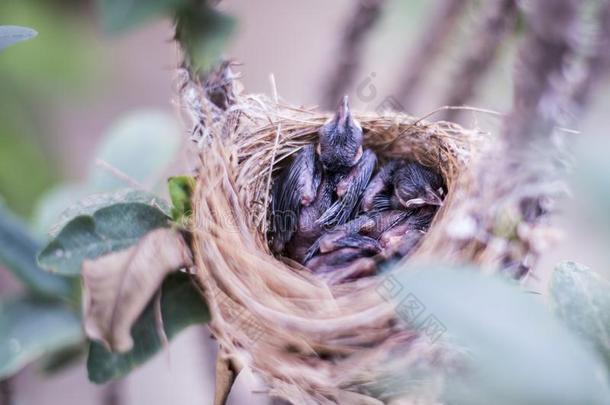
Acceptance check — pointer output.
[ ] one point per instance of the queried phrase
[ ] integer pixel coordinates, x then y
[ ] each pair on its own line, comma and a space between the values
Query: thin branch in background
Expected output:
118, 174
6, 392
540, 72
356, 30
521, 173
496, 21
428, 47
597, 63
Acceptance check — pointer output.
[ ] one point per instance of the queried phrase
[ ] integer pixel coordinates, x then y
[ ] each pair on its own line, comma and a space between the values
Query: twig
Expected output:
521, 173
596, 65
119, 174
226, 373
274, 92
159, 324
496, 21
540, 74
475, 110
429, 45
273, 156
355, 31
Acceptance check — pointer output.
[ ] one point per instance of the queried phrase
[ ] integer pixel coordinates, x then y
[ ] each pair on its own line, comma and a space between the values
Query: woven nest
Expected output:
311, 342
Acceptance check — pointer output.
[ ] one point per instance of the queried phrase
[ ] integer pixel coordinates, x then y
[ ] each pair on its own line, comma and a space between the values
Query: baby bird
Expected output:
401, 185
346, 163
401, 198
297, 188
355, 268
364, 232
307, 188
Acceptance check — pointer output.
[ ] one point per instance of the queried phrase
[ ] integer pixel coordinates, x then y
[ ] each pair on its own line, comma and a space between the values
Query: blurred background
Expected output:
71, 98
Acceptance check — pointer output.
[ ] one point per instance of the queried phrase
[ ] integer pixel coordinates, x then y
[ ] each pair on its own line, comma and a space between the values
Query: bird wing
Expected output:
354, 226
297, 187
379, 185
350, 189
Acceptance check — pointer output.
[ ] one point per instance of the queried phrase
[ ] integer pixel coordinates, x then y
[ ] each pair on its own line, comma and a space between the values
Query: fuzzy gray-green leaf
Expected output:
581, 298
18, 250
31, 328
109, 229
92, 203
518, 352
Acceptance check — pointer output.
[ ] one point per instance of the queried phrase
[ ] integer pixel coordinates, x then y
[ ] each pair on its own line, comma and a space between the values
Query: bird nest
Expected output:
309, 341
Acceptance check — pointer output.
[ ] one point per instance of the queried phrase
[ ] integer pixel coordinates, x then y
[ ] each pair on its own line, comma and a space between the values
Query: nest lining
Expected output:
310, 342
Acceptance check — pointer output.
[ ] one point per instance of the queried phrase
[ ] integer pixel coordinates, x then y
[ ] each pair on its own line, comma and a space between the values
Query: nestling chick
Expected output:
297, 188
363, 231
307, 188
403, 186
342, 264
340, 145
346, 163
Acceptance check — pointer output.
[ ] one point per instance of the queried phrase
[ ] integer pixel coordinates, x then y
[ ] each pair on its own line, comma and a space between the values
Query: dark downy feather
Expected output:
298, 186
346, 207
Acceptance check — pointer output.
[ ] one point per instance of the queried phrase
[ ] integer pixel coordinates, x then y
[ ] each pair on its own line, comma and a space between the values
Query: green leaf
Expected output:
92, 203
518, 353
18, 250
204, 33
181, 306
53, 203
141, 146
181, 190
31, 328
11, 34
109, 229
581, 298
119, 15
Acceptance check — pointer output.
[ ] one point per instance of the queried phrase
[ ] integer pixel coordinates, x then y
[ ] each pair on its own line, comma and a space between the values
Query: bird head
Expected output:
340, 144
416, 186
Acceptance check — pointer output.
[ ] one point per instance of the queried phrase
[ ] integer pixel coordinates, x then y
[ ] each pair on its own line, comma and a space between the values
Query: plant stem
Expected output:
429, 45
597, 64
540, 74
356, 30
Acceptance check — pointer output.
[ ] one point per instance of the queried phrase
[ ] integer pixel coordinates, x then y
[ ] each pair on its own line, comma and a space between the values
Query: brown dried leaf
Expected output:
119, 285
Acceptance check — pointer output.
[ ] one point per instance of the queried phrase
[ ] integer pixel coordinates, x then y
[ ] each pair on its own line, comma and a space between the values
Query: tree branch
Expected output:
429, 45
596, 65
540, 72
495, 23
356, 30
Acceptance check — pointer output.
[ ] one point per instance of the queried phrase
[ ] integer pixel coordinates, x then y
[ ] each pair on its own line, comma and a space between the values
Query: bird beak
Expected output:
414, 203
343, 113
431, 198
